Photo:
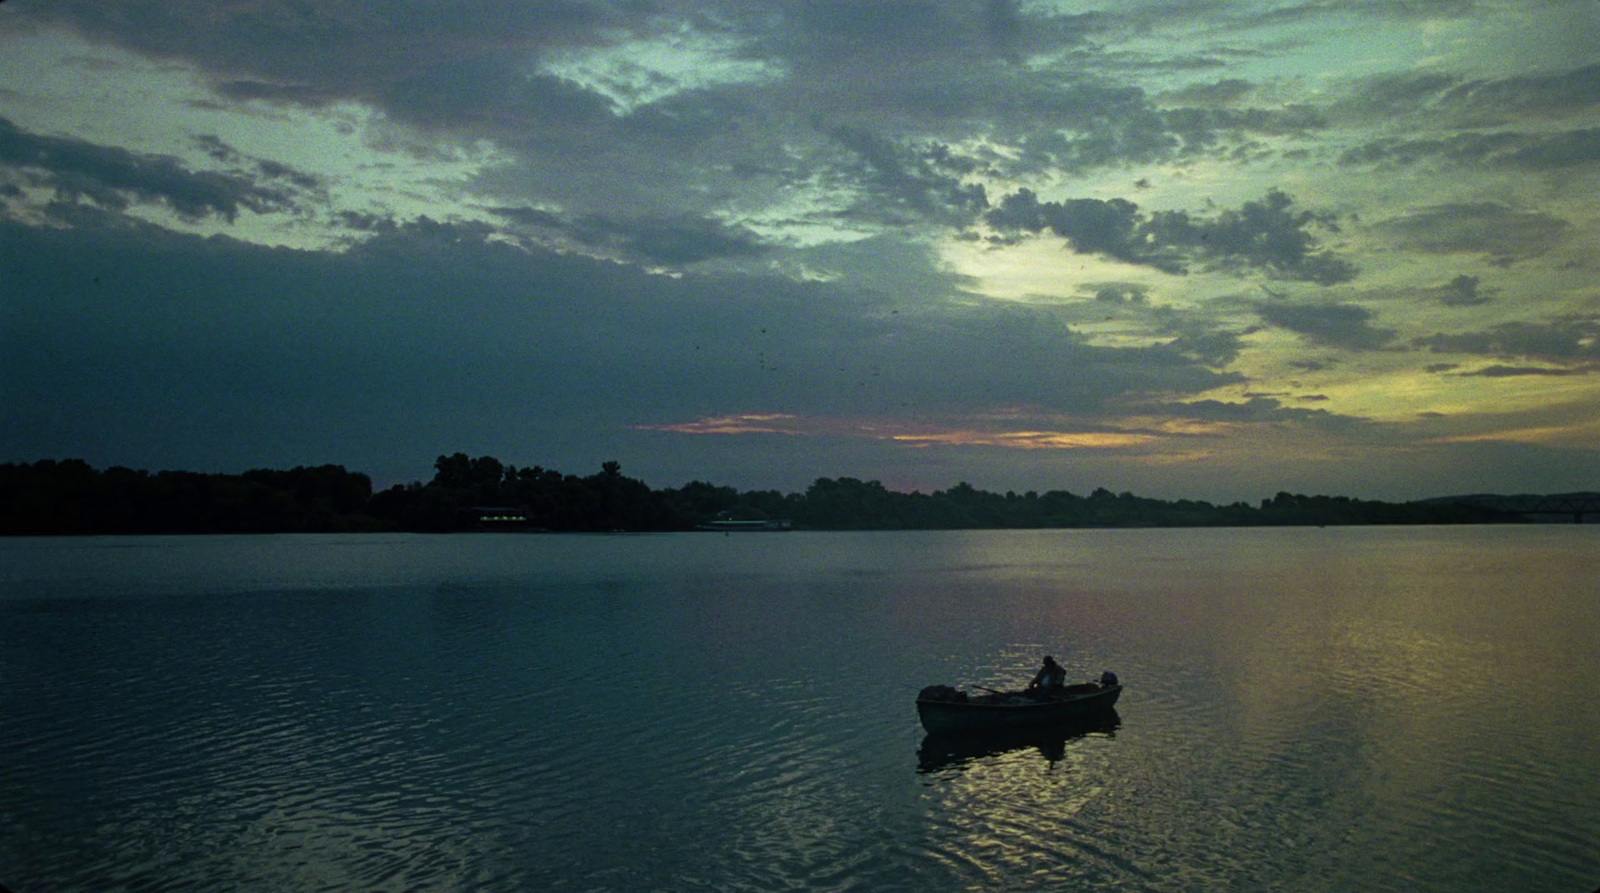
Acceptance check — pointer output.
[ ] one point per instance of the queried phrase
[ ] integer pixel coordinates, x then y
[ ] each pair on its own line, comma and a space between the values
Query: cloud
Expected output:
1393, 94
491, 91
1524, 371
913, 182
668, 240
1217, 93
1529, 95
429, 332
932, 102
1461, 291
1500, 149
836, 219
1265, 235
115, 179
406, 55
1570, 339
1203, 128
659, 241
527, 216
284, 94
1011, 430
1091, 226
1489, 228
1213, 348
1467, 123
1120, 293
847, 29
1256, 410
1333, 325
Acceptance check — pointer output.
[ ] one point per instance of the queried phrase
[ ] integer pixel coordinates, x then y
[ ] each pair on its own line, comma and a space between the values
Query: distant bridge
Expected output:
1576, 506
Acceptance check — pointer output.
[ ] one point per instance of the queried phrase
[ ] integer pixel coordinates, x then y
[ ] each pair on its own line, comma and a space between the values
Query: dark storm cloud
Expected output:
220, 151
1081, 128
112, 178
1192, 332
682, 239
1487, 228
213, 344
1524, 372
1198, 340
215, 147
951, 70
152, 337
1115, 228
1519, 151
1217, 93
1389, 95
884, 81
1333, 325
1471, 104
313, 53
689, 117
1258, 409
1002, 355
1565, 340
1267, 235
671, 240
1561, 150
1419, 10
1529, 95
1121, 293
490, 91
479, 63
285, 94
918, 27
531, 217
1461, 291
916, 181
1203, 128
837, 32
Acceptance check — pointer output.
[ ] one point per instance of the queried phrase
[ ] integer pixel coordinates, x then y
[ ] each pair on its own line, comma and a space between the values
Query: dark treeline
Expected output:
70, 497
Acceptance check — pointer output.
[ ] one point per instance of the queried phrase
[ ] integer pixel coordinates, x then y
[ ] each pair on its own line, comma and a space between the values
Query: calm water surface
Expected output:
1309, 710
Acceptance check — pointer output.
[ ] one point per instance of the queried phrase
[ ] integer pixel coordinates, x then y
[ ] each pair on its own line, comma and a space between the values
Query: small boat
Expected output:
946, 709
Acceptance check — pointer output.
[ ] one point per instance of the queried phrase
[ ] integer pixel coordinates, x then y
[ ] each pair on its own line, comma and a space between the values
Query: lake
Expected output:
1375, 709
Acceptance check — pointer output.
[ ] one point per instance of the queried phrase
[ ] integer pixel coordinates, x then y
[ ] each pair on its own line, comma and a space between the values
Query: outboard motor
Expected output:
1108, 678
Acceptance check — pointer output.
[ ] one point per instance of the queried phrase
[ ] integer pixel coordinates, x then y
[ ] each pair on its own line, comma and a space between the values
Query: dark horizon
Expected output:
482, 493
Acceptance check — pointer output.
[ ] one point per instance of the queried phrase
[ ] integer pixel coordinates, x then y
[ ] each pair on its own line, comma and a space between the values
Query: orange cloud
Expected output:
743, 423
911, 434
1030, 440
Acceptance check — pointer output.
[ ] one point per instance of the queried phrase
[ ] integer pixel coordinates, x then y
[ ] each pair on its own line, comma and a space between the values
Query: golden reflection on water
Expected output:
1358, 683
1304, 710
1004, 802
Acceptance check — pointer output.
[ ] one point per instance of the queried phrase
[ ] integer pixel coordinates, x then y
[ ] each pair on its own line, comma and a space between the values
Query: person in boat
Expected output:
1050, 679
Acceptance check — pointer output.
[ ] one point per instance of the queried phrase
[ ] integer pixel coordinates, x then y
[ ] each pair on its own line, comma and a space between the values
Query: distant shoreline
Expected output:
467, 494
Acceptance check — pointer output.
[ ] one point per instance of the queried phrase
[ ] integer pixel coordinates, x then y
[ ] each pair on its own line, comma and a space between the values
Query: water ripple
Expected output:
538, 725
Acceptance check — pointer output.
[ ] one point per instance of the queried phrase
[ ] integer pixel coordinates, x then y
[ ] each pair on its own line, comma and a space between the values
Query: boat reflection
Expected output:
955, 750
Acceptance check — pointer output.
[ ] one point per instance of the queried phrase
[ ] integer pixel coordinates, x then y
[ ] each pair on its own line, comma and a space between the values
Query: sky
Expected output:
1197, 249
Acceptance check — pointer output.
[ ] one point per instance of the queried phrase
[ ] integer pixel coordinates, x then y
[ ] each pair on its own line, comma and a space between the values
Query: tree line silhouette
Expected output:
71, 497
